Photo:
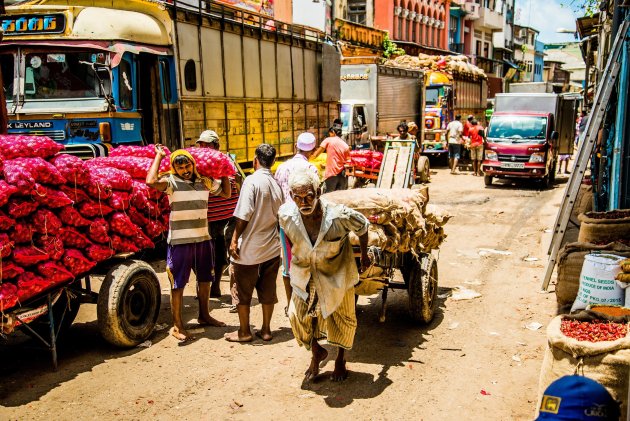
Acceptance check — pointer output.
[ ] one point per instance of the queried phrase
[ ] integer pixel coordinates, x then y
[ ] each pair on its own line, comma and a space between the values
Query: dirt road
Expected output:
475, 361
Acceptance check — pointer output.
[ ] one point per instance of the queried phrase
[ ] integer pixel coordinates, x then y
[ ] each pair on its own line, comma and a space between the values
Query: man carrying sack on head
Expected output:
189, 247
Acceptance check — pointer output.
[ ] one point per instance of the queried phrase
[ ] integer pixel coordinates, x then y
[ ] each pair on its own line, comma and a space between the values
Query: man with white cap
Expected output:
220, 211
305, 146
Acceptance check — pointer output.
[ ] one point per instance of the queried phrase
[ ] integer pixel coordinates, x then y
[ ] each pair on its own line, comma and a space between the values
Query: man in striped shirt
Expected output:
189, 247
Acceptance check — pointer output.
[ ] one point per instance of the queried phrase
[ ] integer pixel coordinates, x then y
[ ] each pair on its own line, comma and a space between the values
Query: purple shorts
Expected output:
182, 258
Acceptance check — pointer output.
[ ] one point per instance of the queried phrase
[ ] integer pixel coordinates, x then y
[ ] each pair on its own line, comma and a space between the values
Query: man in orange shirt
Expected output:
338, 152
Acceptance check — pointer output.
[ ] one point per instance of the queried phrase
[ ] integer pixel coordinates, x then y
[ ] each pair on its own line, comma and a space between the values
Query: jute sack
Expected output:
583, 202
605, 362
570, 261
598, 227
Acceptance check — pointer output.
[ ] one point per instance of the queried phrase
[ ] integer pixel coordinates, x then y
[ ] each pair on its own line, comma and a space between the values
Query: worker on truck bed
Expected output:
189, 246
337, 153
323, 270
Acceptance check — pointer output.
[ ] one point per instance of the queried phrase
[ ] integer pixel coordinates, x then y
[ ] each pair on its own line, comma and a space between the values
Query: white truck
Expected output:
379, 97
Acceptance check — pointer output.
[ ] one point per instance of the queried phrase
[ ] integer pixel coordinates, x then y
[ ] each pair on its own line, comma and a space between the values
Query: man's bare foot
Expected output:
180, 334
340, 373
265, 336
319, 355
237, 337
209, 321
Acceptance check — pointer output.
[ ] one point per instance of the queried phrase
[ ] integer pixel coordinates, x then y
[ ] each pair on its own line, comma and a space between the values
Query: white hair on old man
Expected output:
303, 178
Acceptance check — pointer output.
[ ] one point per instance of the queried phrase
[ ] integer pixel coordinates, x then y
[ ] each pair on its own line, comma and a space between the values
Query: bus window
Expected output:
125, 90
8, 64
167, 94
190, 76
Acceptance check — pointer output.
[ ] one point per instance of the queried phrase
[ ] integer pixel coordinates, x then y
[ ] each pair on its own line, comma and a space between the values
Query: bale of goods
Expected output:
60, 216
450, 64
400, 220
602, 354
570, 261
604, 226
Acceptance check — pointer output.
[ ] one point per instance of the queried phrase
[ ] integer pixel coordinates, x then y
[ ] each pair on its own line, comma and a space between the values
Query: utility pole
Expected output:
4, 115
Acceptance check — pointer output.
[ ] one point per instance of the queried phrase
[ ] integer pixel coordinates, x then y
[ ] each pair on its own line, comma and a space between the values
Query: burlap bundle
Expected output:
570, 261
605, 362
598, 227
400, 219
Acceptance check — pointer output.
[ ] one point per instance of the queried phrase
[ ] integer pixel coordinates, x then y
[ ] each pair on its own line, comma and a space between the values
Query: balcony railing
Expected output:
456, 47
490, 66
490, 19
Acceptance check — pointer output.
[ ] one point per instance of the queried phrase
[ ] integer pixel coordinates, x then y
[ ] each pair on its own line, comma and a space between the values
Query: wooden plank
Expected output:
401, 166
387, 168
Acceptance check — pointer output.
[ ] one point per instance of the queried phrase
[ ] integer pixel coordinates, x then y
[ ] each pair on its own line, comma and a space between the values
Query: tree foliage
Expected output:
390, 48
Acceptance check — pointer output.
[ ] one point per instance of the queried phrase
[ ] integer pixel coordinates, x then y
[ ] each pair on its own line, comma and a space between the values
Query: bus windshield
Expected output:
517, 129
432, 96
7, 63
61, 75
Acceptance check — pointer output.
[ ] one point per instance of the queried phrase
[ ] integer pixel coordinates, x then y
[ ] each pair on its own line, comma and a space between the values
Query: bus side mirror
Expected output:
555, 135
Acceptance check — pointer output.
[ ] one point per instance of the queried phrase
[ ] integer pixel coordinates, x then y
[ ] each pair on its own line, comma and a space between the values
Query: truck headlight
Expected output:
537, 158
491, 156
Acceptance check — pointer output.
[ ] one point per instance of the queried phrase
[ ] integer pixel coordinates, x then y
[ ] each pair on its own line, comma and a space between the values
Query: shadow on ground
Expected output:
388, 344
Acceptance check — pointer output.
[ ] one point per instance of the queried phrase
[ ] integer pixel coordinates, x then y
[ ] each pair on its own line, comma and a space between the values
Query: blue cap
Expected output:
578, 398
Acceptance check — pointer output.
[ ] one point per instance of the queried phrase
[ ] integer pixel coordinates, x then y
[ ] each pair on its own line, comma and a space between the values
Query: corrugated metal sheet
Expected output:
398, 98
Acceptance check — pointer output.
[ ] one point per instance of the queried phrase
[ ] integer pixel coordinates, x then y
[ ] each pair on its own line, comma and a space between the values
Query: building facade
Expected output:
539, 61
525, 39
415, 23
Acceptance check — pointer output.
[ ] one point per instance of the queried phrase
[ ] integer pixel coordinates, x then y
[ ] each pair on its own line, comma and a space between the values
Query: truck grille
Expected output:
513, 158
56, 135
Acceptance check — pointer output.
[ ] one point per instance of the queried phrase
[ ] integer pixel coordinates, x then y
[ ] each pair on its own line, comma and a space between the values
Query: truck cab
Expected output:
355, 123
525, 135
520, 145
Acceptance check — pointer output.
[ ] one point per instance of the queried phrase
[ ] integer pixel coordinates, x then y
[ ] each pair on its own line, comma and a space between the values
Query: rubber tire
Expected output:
41, 325
487, 180
545, 182
423, 289
128, 303
423, 169
552, 174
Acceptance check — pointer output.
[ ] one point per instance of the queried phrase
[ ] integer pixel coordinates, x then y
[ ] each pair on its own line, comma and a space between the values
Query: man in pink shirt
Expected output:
338, 152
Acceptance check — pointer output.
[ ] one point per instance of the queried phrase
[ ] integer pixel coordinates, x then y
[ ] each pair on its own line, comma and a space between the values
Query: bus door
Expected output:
157, 100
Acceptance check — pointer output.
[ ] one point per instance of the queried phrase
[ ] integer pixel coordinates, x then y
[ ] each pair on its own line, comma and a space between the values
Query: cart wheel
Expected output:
66, 302
423, 170
487, 180
423, 288
128, 303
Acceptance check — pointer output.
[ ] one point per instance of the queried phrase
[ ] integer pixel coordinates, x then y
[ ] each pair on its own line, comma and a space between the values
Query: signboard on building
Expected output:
264, 7
359, 34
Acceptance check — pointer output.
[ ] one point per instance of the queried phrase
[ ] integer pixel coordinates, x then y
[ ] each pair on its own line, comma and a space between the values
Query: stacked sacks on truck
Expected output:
60, 216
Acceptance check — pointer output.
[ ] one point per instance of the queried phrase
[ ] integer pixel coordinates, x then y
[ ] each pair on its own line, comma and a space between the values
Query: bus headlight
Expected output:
491, 155
537, 158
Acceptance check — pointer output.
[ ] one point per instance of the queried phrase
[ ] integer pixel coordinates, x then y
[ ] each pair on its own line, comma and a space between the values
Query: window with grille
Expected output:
357, 11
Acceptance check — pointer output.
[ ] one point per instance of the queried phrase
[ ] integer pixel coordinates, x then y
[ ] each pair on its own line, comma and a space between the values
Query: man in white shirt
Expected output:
454, 131
255, 247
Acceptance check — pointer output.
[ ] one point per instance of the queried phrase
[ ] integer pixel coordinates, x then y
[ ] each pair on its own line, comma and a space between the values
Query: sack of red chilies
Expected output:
60, 215
366, 158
